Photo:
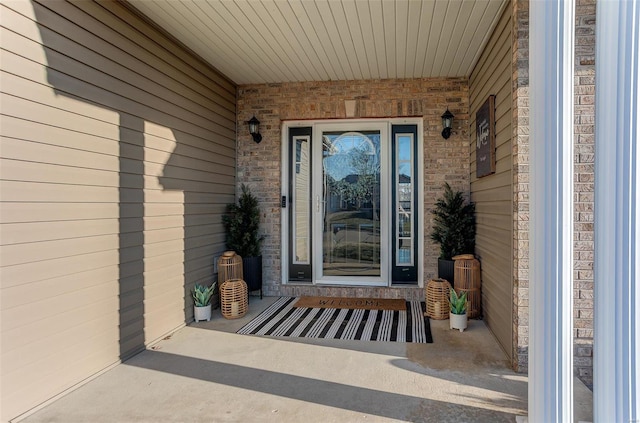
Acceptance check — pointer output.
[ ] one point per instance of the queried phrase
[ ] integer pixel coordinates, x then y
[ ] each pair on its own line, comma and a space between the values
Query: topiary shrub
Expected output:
242, 225
454, 226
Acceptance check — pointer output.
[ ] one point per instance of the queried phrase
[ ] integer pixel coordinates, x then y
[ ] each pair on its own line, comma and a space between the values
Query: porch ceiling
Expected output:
266, 41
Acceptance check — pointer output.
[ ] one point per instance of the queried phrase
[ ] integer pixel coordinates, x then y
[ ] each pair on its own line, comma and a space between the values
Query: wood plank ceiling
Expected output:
267, 41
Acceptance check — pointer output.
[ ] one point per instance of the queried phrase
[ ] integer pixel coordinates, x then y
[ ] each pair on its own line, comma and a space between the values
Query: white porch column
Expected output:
551, 72
617, 234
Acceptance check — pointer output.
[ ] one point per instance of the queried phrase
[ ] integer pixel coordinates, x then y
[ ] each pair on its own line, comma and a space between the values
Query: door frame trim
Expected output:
284, 181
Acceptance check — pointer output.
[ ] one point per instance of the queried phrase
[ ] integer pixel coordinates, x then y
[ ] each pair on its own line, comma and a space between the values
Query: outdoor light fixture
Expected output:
447, 119
254, 129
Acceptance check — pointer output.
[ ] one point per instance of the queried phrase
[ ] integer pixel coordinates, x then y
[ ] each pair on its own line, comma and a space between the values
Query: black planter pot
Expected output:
252, 273
446, 270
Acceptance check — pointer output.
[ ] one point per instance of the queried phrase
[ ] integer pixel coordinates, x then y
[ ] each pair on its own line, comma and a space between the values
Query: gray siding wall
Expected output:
117, 159
493, 194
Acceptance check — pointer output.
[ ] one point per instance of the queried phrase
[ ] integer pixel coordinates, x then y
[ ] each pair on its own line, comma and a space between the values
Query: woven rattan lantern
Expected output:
229, 267
437, 299
467, 279
234, 298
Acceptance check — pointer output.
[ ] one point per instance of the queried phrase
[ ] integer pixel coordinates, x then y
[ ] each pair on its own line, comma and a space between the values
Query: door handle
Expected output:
318, 202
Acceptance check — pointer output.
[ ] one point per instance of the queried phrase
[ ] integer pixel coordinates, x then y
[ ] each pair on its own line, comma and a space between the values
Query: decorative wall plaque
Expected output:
486, 138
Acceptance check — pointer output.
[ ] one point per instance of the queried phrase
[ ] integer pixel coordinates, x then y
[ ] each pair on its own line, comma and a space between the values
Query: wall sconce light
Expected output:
447, 119
254, 129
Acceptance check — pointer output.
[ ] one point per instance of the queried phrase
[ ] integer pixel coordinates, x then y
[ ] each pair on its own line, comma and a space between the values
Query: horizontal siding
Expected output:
493, 194
118, 159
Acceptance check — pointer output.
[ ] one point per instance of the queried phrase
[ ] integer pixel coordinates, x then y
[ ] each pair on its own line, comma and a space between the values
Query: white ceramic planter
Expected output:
458, 321
202, 313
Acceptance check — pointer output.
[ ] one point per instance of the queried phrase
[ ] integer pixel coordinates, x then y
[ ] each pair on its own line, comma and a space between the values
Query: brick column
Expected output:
520, 155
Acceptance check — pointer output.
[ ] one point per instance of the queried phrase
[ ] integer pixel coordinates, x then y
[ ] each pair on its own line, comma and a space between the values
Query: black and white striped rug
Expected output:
282, 319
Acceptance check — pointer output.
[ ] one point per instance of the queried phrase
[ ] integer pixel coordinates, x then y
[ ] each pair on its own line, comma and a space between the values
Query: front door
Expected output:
351, 204
351, 197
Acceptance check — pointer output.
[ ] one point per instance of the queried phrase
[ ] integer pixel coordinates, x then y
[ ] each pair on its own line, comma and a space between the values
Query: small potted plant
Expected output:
457, 310
242, 225
454, 228
202, 301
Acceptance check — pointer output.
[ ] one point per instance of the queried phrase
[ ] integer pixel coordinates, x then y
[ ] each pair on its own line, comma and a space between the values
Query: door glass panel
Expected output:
298, 203
301, 225
404, 197
351, 203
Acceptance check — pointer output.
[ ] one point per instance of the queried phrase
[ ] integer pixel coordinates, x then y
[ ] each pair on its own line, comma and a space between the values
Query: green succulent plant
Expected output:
202, 294
458, 304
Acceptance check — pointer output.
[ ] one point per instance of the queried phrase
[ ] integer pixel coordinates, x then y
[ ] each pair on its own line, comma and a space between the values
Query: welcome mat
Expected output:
284, 319
355, 303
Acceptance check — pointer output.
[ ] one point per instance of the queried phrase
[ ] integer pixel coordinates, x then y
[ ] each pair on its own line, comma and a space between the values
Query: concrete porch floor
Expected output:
207, 373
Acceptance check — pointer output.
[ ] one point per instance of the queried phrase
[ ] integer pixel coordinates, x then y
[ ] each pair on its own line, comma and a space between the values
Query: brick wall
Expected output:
259, 164
583, 187
520, 146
